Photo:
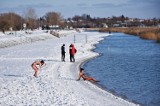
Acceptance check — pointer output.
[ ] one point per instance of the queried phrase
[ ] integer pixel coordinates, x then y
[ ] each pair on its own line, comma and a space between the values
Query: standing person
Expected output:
35, 64
72, 51
63, 52
82, 75
3, 31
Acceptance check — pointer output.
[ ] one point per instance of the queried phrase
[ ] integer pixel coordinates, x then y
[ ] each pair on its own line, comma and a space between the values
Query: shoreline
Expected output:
56, 83
148, 33
100, 85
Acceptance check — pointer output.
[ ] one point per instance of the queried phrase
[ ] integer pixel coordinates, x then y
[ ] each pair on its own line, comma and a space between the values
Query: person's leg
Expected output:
70, 58
91, 79
64, 57
36, 73
36, 70
73, 58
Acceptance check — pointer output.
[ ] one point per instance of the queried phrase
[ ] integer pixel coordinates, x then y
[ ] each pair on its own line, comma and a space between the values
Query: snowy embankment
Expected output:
20, 37
56, 84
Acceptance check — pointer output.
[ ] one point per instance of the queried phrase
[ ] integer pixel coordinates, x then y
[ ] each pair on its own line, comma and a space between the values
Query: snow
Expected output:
56, 84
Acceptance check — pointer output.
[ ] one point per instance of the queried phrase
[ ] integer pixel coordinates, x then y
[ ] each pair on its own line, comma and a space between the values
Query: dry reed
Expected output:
152, 33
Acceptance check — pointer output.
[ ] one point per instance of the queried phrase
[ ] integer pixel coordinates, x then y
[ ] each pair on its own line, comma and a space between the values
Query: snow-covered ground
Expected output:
56, 84
20, 37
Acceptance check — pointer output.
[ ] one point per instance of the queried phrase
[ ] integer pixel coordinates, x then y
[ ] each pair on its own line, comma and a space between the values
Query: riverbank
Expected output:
150, 33
56, 83
131, 58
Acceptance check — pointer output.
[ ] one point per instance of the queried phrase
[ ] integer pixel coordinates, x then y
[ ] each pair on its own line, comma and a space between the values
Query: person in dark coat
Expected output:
63, 52
3, 31
72, 51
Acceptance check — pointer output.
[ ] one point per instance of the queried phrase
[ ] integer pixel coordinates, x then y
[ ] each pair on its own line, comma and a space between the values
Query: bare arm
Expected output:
79, 78
40, 65
81, 75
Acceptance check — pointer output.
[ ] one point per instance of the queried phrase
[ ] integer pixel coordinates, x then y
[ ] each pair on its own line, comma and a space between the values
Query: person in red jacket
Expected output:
72, 51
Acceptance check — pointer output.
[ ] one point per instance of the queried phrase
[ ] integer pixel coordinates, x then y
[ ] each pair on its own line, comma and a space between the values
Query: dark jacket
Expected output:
63, 49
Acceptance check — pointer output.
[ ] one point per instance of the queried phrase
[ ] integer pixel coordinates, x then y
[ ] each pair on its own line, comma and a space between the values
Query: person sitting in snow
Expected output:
39, 63
82, 75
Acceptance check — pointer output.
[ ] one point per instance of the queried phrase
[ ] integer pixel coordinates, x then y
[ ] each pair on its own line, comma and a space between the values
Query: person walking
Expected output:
63, 52
72, 51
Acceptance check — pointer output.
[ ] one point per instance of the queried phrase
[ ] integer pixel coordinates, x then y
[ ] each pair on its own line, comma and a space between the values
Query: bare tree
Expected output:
30, 16
8, 20
53, 18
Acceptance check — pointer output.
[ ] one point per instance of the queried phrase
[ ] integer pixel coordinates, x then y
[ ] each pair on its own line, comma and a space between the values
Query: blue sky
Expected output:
143, 9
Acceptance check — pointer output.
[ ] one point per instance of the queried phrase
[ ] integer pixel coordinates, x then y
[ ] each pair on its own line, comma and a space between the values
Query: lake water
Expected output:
129, 67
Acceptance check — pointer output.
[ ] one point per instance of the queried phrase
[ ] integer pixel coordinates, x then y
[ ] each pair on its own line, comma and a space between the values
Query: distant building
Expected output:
54, 27
104, 25
116, 25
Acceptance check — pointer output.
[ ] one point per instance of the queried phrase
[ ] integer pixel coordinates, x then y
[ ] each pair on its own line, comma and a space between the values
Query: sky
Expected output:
143, 9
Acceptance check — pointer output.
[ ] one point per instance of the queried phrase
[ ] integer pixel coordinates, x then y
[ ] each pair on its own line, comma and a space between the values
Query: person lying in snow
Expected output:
35, 64
82, 75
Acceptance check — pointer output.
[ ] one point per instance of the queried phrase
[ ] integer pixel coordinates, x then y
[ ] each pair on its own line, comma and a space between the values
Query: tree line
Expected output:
8, 20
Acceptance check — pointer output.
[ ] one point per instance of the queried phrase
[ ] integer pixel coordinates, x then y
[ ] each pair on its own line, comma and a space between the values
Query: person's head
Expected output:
63, 44
42, 62
81, 69
72, 45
